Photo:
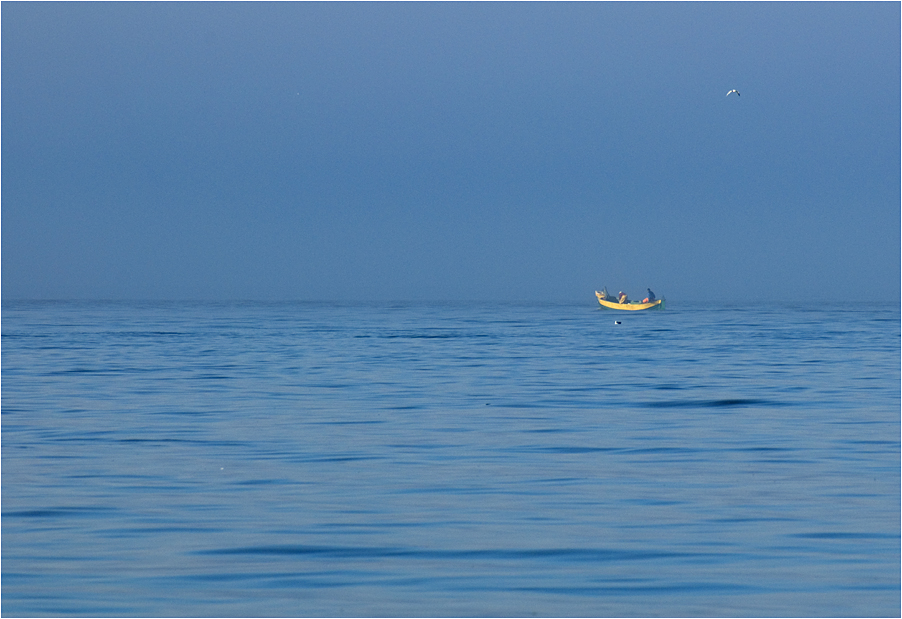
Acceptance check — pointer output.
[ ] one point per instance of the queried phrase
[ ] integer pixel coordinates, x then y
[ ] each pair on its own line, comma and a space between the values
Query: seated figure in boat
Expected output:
650, 298
622, 298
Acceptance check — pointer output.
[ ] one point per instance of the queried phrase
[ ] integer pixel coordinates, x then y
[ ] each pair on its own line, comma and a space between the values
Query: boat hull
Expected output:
632, 306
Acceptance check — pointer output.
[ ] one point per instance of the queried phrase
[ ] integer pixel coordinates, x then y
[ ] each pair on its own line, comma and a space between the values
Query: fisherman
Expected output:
622, 298
651, 296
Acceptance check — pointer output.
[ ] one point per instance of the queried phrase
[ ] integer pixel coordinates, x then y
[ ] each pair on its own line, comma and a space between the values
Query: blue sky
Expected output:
443, 151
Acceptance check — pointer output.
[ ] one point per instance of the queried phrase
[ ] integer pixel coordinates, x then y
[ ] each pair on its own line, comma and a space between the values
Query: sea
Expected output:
192, 459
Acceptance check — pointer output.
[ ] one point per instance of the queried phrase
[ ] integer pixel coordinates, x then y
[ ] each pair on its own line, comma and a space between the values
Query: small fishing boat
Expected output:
611, 302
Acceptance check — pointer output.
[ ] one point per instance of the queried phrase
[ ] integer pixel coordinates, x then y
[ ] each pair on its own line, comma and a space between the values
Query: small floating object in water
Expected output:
616, 322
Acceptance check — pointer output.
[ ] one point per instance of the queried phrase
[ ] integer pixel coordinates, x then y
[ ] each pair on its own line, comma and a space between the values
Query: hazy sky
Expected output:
510, 151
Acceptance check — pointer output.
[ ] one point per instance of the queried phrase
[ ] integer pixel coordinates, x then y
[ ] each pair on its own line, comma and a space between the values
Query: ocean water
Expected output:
253, 459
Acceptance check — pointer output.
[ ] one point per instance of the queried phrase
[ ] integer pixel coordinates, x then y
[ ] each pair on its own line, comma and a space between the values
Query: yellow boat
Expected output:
606, 300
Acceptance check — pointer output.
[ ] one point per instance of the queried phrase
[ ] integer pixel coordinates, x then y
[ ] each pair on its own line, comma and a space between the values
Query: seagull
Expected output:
732, 91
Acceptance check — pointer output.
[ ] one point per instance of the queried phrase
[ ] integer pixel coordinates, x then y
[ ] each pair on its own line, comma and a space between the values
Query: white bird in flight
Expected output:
732, 91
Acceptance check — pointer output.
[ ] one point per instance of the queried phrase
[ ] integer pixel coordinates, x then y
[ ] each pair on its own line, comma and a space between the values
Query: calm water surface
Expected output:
435, 460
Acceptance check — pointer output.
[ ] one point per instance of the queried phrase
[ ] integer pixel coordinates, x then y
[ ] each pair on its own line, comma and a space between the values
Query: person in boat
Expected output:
622, 298
650, 298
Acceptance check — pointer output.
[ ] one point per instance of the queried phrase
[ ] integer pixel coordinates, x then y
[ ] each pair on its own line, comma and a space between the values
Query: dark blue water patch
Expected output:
568, 449
844, 535
107, 437
422, 446
876, 443
465, 490
665, 450
238, 577
181, 441
66, 371
654, 502
271, 482
343, 422
701, 588
548, 431
746, 519
718, 403
341, 385
333, 459
154, 335
67, 605
579, 555
107, 370
61, 512
181, 413
427, 335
